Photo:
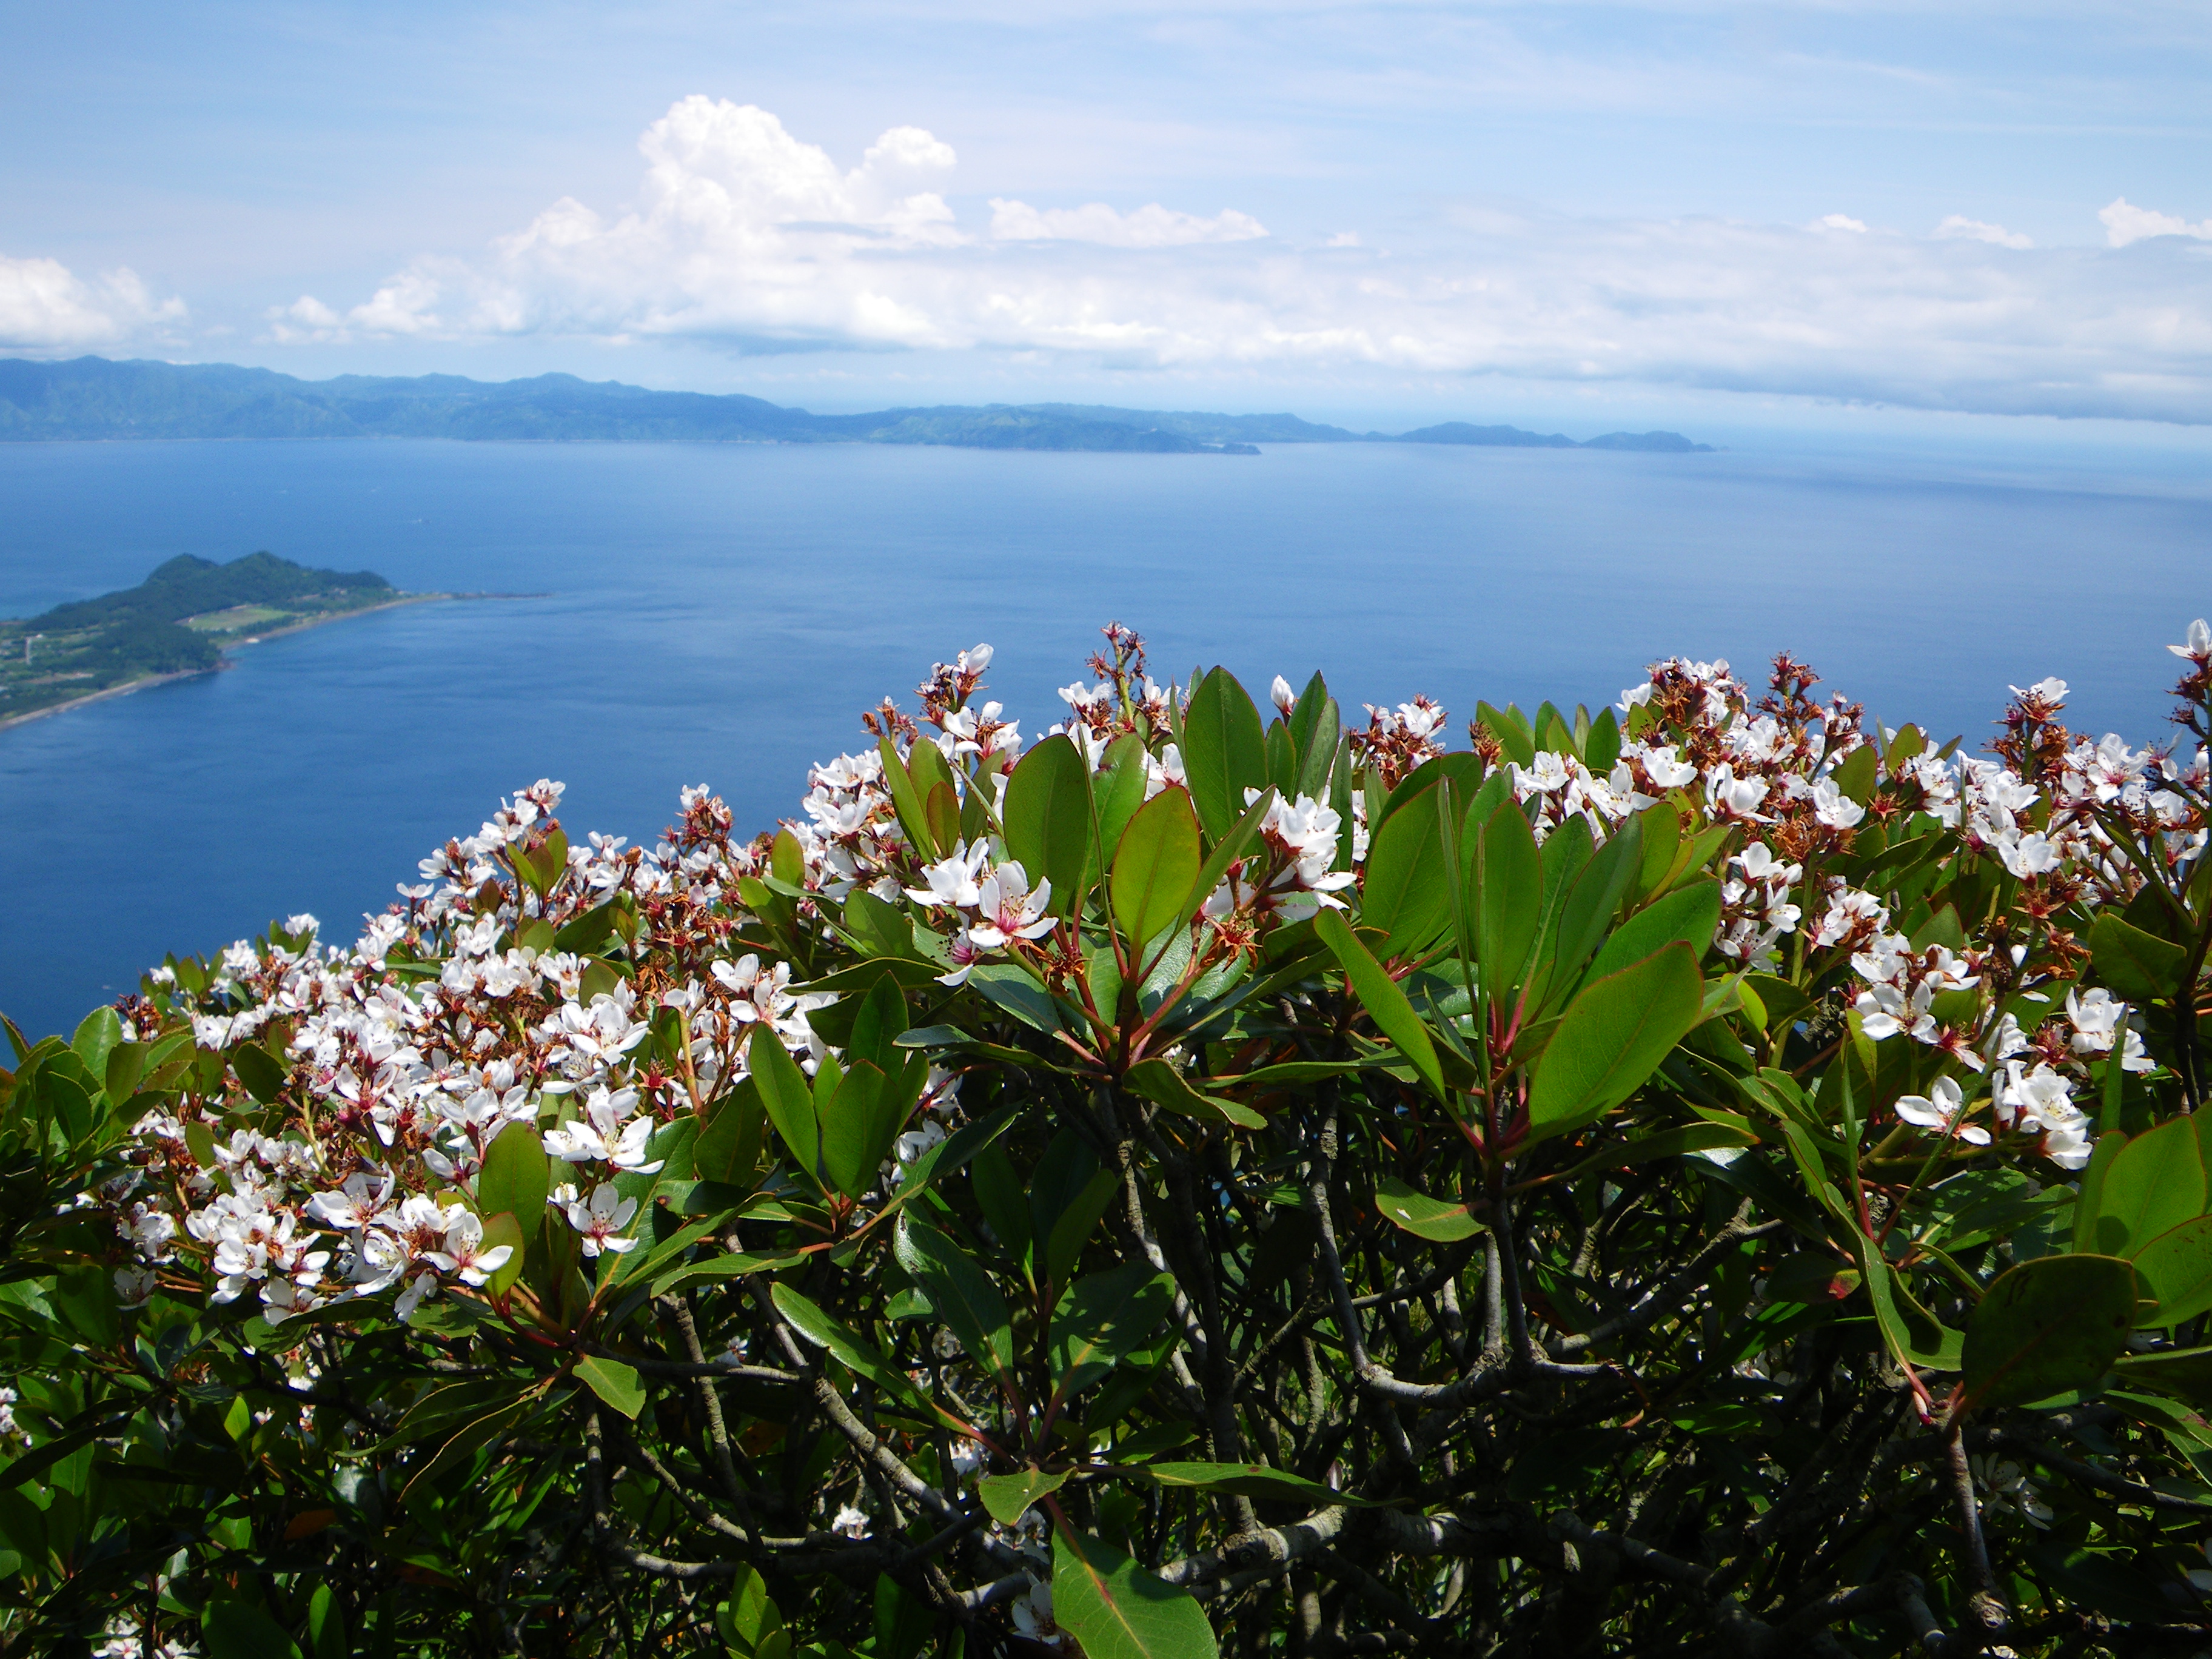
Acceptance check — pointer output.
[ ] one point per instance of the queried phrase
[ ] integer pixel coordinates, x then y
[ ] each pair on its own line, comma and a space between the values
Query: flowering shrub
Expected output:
1710, 1177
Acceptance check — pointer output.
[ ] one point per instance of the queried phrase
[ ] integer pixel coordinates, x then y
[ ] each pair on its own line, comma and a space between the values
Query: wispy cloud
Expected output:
746, 236
45, 306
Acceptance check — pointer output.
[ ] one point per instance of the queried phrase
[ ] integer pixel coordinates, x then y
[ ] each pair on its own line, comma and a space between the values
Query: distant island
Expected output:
177, 622
92, 398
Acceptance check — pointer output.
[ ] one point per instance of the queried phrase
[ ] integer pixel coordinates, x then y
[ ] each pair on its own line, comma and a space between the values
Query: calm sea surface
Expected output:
720, 613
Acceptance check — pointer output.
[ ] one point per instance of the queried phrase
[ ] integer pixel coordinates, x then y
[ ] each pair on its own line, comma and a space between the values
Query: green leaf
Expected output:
879, 929
1424, 1217
2155, 1182
1613, 1037
239, 1630
962, 1292
1246, 1480
1505, 892
1225, 752
1379, 994
1068, 1192
2174, 1273
2091, 1200
903, 1622
861, 1356
1116, 1610
1602, 749
1689, 914
907, 799
1510, 728
2138, 966
1102, 1317
729, 1144
263, 1077
97, 1034
1586, 909
514, 1179
747, 1618
1405, 893
505, 1228
1160, 1083
2047, 1327
1008, 1496
790, 1103
614, 1383
854, 1140
718, 1267
1046, 815
1155, 866
2186, 1374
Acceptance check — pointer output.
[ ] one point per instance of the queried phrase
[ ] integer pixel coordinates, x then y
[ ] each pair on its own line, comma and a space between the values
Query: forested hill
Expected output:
91, 397
178, 621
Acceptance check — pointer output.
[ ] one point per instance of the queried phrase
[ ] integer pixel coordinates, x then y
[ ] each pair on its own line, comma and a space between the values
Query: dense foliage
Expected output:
1709, 1179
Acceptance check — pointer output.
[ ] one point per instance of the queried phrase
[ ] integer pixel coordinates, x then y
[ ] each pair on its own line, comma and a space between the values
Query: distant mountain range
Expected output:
92, 397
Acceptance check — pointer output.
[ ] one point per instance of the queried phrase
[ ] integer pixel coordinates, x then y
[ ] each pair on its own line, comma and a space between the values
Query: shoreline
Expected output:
142, 684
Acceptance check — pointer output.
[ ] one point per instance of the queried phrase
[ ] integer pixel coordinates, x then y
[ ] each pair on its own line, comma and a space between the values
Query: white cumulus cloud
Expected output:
2126, 222
45, 306
744, 236
1958, 226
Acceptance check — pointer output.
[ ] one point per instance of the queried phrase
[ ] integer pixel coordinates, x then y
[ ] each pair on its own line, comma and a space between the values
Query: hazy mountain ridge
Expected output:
93, 398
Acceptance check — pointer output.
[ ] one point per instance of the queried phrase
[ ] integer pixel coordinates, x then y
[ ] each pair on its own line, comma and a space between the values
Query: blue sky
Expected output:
1621, 211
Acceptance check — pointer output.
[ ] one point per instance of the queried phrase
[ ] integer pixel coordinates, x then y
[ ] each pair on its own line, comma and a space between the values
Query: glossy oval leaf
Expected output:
789, 1100
2175, 1274
2154, 1184
860, 1356
514, 1179
1115, 1609
1246, 1480
1225, 751
615, 1383
1505, 896
1405, 893
1424, 1217
1155, 866
1047, 816
1009, 1497
1103, 1317
961, 1292
1379, 994
1613, 1037
2048, 1325
1689, 914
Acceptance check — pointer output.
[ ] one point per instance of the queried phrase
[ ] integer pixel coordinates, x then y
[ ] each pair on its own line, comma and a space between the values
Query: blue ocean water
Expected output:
720, 614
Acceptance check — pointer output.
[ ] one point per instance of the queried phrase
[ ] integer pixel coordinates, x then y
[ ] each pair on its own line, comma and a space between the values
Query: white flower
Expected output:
1833, 807
463, 1251
953, 881
2026, 855
1666, 768
1033, 1612
1282, 696
1940, 1110
602, 1221
1010, 911
851, 1521
2199, 648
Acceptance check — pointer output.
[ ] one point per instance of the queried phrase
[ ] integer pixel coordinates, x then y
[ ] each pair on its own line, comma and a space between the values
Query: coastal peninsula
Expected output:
180, 621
